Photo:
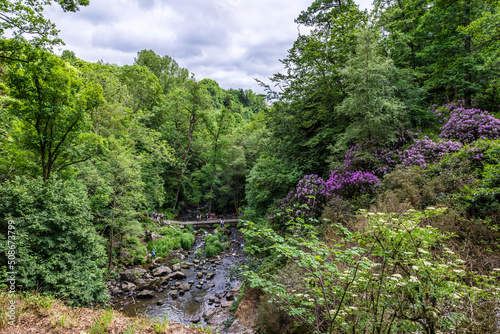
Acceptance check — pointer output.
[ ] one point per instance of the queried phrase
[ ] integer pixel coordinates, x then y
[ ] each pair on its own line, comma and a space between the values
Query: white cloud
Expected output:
230, 41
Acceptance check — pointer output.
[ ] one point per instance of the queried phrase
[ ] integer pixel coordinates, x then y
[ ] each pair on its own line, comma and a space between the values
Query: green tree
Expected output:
58, 250
186, 106
28, 26
121, 171
165, 68
53, 105
371, 108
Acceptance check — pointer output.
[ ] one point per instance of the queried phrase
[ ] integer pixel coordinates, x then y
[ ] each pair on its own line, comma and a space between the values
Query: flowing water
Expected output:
196, 301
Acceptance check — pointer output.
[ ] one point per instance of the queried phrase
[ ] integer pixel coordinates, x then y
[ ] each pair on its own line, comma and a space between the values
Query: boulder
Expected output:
131, 275
151, 236
116, 291
226, 304
185, 287
210, 275
173, 293
177, 275
146, 294
195, 319
148, 284
161, 271
199, 274
124, 255
176, 267
209, 313
127, 286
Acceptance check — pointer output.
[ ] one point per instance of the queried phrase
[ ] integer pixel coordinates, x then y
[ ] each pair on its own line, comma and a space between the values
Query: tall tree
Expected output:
186, 105
165, 68
371, 108
53, 106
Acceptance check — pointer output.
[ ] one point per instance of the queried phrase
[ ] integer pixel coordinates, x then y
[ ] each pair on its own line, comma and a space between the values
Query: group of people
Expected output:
158, 217
207, 217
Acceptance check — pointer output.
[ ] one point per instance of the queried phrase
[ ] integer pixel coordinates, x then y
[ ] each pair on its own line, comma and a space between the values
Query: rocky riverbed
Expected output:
184, 288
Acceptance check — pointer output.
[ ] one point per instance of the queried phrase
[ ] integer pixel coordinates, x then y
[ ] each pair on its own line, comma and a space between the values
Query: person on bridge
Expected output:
222, 223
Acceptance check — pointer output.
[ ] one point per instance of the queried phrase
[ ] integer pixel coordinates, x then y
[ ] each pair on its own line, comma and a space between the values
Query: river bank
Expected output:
185, 287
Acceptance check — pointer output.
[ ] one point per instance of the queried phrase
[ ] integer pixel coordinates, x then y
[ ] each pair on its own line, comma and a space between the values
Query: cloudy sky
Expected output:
230, 41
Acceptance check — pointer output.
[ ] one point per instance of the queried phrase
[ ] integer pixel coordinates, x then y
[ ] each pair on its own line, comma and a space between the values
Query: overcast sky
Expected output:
229, 41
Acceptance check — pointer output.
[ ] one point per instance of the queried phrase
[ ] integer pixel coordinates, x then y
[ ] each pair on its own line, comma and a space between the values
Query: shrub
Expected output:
58, 249
213, 245
469, 125
187, 240
397, 275
174, 239
426, 151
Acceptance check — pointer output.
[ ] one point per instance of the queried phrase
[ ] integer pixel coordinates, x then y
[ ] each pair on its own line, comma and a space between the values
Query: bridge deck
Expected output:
203, 222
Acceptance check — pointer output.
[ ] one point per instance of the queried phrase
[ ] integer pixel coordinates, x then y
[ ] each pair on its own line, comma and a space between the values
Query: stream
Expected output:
212, 297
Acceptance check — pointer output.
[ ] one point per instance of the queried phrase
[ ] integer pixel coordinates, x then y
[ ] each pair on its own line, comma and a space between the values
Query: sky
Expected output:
232, 42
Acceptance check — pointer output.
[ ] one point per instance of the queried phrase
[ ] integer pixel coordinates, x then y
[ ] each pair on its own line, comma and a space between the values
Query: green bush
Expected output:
58, 249
396, 275
174, 239
213, 245
137, 250
187, 240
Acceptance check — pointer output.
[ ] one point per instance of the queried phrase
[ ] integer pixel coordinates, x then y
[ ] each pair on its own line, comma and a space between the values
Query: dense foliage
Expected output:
371, 180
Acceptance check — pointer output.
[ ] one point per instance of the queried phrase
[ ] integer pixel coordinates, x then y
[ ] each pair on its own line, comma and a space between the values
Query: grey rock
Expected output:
209, 313
226, 304
131, 275
176, 267
146, 294
230, 296
127, 286
116, 291
196, 319
161, 271
238, 328
185, 287
173, 293
199, 274
148, 284
210, 275
177, 275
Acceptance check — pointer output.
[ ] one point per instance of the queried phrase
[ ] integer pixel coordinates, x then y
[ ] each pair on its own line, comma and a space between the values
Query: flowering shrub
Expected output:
396, 276
424, 151
349, 184
469, 125
308, 198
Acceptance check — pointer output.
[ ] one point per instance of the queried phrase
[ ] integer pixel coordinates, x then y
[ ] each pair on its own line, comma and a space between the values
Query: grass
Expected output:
101, 324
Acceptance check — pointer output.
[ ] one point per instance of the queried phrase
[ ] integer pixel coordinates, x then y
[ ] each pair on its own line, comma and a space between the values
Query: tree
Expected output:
26, 22
372, 111
122, 173
186, 105
53, 105
143, 87
305, 123
58, 250
166, 69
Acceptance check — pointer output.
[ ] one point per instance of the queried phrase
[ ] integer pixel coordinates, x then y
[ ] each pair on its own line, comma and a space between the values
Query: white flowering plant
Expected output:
397, 276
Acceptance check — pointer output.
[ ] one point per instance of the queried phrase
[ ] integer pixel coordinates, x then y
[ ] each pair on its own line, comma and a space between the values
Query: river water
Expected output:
195, 302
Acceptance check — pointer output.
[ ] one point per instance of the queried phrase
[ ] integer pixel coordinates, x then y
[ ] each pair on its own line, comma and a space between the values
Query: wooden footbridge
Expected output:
201, 222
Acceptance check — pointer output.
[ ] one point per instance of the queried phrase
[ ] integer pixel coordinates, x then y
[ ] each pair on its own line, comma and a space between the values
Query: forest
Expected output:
367, 176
